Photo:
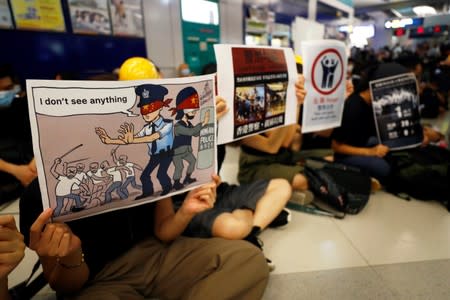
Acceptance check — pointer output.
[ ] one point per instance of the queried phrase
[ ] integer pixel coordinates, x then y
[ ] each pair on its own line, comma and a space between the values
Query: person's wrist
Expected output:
71, 261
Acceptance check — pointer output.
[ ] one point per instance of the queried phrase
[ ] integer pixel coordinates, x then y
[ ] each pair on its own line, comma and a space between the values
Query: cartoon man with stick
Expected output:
157, 133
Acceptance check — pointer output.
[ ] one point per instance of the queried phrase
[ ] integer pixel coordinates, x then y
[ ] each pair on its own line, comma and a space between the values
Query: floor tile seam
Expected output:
366, 260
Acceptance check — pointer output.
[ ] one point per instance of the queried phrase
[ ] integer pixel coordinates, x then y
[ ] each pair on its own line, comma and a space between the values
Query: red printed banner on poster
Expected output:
258, 60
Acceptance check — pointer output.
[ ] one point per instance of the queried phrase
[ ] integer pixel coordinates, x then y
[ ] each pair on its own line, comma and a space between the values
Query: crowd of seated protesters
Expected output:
74, 264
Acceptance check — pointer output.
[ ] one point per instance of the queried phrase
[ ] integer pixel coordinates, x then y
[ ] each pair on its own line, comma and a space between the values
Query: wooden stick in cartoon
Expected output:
157, 133
187, 107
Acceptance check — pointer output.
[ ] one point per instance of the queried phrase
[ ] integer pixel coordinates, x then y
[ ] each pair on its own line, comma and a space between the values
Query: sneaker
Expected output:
252, 237
255, 240
270, 264
283, 218
302, 197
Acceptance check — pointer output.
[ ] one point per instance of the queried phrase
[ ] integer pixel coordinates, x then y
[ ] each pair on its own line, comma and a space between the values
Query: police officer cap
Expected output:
150, 93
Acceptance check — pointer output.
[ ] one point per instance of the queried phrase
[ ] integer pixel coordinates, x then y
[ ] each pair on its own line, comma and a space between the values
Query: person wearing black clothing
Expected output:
17, 167
137, 252
355, 142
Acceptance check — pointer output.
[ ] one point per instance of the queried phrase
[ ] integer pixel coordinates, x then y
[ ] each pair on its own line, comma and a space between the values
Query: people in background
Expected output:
268, 155
17, 167
183, 70
355, 142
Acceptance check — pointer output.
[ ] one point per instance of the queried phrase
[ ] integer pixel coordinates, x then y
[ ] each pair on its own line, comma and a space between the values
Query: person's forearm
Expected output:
350, 150
173, 226
4, 294
270, 144
68, 275
7, 167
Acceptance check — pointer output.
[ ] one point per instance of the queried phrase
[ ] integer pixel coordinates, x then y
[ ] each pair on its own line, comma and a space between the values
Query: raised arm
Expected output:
170, 224
60, 253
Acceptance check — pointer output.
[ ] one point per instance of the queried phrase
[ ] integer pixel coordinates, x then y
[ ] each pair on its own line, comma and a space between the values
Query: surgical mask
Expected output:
185, 72
7, 97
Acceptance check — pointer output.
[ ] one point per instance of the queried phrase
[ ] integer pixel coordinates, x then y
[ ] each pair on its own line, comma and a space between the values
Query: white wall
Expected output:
163, 34
231, 22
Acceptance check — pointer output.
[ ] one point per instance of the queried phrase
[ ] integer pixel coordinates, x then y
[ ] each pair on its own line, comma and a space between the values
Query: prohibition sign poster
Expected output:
324, 67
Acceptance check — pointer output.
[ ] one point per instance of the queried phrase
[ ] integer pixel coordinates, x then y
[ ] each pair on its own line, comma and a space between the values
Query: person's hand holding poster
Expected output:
101, 146
324, 68
395, 102
258, 85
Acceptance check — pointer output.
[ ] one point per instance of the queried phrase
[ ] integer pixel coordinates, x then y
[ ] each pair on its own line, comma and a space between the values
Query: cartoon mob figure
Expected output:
186, 109
157, 133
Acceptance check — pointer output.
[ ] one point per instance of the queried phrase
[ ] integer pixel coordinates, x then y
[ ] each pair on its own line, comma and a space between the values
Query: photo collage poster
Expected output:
324, 68
395, 102
106, 145
258, 84
90, 16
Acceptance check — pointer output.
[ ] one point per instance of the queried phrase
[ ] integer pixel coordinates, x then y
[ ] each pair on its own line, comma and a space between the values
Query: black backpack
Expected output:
422, 173
345, 188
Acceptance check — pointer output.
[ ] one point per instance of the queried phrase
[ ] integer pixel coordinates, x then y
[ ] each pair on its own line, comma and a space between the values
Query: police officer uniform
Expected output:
160, 150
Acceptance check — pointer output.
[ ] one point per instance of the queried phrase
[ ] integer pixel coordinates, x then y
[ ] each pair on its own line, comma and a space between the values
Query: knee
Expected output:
299, 182
281, 188
231, 229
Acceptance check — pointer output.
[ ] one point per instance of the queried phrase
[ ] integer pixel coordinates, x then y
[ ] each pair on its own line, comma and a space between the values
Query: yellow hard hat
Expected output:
298, 59
136, 68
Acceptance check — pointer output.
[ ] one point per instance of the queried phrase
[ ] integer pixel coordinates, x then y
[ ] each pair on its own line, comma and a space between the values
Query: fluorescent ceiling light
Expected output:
424, 10
396, 13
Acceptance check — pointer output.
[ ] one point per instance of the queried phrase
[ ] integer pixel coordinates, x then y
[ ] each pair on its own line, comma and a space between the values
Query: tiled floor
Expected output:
393, 249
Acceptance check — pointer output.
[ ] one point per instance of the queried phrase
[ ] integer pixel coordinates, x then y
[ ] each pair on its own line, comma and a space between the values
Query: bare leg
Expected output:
272, 202
233, 226
299, 182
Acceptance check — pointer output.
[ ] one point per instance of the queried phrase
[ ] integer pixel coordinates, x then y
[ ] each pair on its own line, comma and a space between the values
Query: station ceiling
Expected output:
364, 9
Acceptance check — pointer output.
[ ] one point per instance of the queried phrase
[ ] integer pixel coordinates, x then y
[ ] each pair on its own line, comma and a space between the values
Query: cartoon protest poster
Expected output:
258, 84
324, 68
101, 146
395, 102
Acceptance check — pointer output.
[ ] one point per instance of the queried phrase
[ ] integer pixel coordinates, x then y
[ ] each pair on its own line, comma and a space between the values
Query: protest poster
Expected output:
258, 84
395, 102
324, 68
90, 16
107, 145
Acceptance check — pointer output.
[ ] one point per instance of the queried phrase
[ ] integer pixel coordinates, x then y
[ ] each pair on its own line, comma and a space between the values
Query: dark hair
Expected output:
209, 68
408, 60
104, 77
68, 75
6, 70
364, 78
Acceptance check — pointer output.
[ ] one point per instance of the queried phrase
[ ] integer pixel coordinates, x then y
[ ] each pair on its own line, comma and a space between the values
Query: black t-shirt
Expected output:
358, 123
103, 237
15, 140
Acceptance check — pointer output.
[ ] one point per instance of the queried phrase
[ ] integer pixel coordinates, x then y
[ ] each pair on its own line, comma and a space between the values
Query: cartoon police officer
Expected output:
157, 133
